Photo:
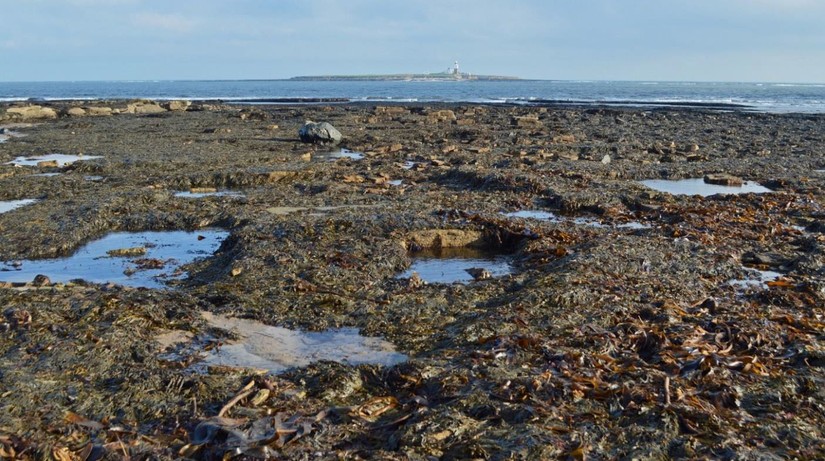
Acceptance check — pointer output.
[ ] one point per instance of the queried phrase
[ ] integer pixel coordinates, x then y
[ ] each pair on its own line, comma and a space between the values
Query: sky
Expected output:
682, 40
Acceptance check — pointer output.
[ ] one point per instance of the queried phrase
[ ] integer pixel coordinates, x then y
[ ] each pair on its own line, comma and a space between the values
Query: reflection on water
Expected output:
450, 265
151, 259
698, 186
277, 349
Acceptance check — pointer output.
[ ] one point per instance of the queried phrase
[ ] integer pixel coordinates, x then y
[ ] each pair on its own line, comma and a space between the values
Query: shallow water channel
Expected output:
136, 259
276, 349
698, 186
451, 265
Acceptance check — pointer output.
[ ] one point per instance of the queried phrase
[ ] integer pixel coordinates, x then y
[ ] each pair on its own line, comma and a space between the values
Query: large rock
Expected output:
177, 106
144, 107
723, 179
319, 133
99, 111
31, 112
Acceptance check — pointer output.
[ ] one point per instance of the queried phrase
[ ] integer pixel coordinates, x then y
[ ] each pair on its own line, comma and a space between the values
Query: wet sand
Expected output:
630, 323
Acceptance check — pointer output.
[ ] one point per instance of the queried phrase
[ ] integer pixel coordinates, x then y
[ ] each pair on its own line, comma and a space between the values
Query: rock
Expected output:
527, 121
177, 106
479, 273
76, 112
319, 133
723, 179
31, 112
144, 107
572, 156
443, 238
127, 252
606, 159
444, 115
99, 111
564, 138
390, 110
764, 259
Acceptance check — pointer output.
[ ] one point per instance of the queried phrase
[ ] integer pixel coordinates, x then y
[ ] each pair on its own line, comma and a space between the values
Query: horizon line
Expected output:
515, 79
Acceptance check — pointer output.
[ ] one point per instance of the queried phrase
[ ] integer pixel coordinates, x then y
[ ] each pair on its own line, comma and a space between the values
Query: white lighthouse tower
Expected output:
456, 72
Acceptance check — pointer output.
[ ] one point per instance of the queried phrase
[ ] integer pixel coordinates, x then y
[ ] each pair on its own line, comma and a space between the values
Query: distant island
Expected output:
449, 75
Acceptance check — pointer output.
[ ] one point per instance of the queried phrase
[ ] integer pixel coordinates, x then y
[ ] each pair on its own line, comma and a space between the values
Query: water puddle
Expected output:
458, 265
552, 217
276, 349
6, 206
201, 194
47, 175
93, 178
542, 215
318, 211
533, 214
136, 259
698, 186
634, 225
409, 165
58, 160
395, 182
759, 280
6, 135
337, 155
7, 131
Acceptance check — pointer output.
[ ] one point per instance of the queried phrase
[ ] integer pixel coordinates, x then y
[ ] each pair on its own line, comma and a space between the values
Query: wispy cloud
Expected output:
167, 22
8, 44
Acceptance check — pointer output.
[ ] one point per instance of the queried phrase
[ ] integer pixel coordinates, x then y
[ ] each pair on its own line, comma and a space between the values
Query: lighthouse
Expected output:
456, 72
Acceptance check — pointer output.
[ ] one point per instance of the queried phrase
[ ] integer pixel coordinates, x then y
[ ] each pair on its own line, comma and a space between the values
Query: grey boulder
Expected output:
319, 133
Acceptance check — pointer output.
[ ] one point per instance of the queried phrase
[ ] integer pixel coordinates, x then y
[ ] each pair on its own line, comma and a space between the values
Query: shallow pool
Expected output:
149, 259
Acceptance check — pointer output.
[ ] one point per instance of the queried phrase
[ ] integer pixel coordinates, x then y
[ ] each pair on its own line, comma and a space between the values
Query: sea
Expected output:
757, 97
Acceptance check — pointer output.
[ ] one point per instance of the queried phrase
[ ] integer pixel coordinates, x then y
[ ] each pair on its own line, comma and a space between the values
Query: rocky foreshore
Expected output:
630, 323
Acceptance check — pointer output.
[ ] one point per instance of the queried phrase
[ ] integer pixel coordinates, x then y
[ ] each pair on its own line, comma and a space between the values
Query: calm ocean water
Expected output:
762, 97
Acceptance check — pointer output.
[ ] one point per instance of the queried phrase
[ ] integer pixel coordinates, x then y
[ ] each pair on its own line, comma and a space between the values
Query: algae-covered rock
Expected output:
319, 133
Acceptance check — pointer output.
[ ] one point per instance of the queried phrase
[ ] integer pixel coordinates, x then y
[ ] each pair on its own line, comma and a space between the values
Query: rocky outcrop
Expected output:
319, 133
31, 112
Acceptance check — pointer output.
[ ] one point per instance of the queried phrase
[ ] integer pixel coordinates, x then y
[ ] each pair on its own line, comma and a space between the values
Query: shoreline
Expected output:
629, 321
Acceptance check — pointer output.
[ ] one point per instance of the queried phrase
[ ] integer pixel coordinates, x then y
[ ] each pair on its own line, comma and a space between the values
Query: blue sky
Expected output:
705, 40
